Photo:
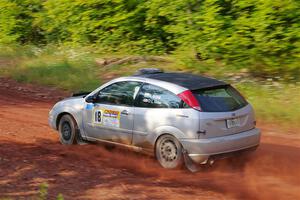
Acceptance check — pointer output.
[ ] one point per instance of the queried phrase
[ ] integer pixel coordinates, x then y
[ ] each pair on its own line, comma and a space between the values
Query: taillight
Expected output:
188, 97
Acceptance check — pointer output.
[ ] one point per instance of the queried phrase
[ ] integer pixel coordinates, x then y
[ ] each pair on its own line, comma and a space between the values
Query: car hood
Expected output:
82, 97
70, 102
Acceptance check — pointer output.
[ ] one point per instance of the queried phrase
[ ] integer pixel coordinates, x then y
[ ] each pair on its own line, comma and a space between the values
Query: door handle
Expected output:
124, 112
179, 115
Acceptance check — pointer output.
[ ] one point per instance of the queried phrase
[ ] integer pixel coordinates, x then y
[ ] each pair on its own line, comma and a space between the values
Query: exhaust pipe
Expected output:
210, 161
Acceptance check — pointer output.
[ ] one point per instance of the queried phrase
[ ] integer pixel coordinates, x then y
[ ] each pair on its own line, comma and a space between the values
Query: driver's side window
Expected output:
120, 93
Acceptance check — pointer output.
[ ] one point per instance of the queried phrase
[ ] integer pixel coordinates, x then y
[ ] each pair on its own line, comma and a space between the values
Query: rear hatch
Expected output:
223, 111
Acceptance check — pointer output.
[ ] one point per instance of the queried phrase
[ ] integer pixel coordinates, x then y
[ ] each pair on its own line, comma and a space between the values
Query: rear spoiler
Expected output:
210, 87
77, 94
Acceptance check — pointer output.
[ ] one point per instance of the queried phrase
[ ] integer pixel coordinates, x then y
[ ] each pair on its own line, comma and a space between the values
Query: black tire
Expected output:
68, 131
168, 151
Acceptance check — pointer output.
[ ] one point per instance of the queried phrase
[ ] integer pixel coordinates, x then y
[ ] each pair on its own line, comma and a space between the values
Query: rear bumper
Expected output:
200, 150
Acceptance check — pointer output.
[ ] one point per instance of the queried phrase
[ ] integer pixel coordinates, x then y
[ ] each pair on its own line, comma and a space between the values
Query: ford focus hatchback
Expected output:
170, 115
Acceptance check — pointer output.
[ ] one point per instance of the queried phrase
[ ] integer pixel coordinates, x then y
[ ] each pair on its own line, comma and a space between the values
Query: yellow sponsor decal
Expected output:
106, 117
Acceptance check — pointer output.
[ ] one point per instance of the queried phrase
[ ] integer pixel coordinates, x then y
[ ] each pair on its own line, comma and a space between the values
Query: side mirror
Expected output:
91, 99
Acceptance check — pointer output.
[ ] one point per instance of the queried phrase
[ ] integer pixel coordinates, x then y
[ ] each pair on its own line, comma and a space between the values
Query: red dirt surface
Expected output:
30, 154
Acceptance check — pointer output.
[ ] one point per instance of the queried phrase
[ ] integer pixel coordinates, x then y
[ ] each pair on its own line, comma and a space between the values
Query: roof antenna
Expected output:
148, 71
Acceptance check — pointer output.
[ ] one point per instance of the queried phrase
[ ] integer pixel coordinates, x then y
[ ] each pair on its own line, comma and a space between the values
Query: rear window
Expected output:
221, 99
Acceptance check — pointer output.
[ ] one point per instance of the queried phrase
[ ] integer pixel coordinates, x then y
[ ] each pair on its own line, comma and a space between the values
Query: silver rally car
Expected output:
170, 115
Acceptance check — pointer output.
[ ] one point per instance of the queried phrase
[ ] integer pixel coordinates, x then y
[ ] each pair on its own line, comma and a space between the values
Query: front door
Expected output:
110, 117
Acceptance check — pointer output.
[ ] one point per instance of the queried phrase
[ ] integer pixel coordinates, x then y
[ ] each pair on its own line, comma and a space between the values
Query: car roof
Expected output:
189, 81
174, 82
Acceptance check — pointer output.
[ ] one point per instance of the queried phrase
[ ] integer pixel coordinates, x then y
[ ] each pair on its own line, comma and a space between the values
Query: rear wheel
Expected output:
168, 152
67, 128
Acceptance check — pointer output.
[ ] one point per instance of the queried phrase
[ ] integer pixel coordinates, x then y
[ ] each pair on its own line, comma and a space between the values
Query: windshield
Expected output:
221, 99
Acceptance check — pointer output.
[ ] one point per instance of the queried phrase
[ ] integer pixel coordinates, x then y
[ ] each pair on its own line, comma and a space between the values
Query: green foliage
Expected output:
65, 68
112, 24
60, 197
17, 21
262, 35
43, 191
60, 73
274, 101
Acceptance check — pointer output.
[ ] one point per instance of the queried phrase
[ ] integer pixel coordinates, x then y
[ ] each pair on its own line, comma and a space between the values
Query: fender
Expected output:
167, 130
148, 140
75, 113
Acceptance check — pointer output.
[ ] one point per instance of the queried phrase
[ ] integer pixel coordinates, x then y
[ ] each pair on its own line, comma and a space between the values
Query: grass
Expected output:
76, 69
52, 68
278, 104
61, 73
42, 194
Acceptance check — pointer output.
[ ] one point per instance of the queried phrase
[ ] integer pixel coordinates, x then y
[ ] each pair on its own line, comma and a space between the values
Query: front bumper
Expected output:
51, 120
200, 150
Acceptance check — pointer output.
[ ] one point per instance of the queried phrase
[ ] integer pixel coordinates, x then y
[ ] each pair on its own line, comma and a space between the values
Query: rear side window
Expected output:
221, 99
151, 96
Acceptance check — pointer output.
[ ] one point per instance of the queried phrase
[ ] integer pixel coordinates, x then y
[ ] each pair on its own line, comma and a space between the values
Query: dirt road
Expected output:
30, 154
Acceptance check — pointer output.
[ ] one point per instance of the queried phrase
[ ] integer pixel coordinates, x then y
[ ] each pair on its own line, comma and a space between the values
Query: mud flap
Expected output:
79, 139
189, 163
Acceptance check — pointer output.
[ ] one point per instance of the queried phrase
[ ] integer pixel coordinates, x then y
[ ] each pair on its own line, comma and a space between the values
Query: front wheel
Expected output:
168, 152
67, 130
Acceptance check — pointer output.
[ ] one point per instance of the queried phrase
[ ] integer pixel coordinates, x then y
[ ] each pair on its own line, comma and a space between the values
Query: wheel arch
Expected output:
167, 130
60, 115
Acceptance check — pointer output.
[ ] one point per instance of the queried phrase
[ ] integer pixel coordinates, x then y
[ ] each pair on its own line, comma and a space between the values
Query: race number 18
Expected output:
98, 115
